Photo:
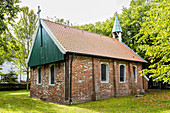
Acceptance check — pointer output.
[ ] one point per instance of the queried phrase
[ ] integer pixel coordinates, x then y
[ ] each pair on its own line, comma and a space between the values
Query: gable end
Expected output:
44, 49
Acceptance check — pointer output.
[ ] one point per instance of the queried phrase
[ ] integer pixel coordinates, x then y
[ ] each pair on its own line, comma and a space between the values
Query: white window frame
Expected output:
136, 73
50, 75
124, 73
107, 72
38, 76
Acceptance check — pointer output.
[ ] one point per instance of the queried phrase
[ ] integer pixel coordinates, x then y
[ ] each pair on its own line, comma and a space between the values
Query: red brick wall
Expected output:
145, 84
83, 77
45, 91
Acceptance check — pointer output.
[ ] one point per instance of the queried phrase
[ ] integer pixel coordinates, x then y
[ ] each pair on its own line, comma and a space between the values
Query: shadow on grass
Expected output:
154, 101
20, 101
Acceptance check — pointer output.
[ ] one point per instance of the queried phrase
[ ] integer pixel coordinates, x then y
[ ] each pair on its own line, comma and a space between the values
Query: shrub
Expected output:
12, 86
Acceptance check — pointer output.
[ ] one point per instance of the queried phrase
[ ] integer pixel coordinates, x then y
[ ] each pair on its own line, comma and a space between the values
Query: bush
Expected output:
13, 86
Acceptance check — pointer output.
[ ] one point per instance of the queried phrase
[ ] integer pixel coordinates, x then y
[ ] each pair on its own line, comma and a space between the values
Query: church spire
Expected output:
117, 30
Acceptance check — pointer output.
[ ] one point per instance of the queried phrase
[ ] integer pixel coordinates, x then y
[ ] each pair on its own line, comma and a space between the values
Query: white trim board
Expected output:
146, 77
57, 43
33, 41
60, 47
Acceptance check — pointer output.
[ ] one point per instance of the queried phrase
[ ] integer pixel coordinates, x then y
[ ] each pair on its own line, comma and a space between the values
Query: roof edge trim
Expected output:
134, 52
103, 56
33, 41
60, 47
146, 77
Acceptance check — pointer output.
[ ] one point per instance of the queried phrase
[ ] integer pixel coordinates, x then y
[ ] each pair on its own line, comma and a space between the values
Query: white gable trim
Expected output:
146, 77
60, 47
33, 41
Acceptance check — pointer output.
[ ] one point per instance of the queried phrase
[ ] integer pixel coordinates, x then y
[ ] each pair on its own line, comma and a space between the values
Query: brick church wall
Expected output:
82, 90
52, 93
86, 80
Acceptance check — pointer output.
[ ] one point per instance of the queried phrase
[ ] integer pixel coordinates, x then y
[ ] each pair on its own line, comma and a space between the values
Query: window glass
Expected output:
52, 74
122, 73
103, 72
39, 75
134, 72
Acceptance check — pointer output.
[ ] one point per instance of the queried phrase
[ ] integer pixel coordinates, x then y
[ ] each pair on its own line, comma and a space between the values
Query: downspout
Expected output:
71, 79
93, 81
114, 79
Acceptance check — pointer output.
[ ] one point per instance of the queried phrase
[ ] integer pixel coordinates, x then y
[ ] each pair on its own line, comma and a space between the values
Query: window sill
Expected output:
51, 84
39, 84
122, 82
104, 81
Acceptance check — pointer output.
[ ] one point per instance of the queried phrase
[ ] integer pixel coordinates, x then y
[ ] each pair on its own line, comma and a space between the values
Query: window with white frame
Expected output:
39, 75
104, 72
135, 73
51, 75
122, 73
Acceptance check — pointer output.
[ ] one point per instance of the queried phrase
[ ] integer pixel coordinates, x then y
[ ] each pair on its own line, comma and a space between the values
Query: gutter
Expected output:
85, 54
71, 78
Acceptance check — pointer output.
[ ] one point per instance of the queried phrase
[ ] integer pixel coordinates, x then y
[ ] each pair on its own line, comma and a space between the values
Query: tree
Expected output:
24, 31
155, 41
103, 28
145, 27
60, 21
8, 12
131, 20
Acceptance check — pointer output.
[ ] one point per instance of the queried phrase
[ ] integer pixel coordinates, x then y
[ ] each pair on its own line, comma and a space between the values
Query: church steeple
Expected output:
117, 30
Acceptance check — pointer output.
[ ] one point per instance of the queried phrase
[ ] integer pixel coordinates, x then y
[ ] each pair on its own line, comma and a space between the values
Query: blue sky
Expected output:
77, 11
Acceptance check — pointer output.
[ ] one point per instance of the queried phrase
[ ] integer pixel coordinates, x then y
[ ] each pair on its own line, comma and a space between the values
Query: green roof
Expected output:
116, 26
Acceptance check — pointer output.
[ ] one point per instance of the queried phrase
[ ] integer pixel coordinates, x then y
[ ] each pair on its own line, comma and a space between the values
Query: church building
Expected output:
69, 65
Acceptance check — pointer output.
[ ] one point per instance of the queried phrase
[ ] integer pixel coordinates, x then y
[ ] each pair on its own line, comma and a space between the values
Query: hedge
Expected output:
12, 86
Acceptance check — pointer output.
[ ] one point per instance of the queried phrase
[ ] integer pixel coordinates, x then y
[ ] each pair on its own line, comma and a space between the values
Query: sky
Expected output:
77, 12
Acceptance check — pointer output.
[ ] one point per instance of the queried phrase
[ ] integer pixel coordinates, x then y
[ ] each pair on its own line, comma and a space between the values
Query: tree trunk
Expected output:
28, 67
27, 78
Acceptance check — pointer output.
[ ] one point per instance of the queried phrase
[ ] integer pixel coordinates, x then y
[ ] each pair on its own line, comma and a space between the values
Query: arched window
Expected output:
135, 73
39, 75
51, 75
104, 72
122, 73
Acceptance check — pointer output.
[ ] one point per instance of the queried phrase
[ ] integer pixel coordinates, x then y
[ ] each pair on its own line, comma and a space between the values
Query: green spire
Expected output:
116, 27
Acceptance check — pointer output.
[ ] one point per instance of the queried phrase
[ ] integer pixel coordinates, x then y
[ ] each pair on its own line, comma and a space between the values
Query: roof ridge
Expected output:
81, 29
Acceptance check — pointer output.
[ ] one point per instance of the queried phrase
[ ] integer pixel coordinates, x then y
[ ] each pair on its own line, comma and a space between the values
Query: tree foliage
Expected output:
131, 20
8, 12
24, 31
145, 26
155, 40
60, 21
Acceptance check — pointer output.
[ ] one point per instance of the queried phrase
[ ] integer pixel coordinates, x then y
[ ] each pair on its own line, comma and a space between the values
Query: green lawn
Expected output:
19, 101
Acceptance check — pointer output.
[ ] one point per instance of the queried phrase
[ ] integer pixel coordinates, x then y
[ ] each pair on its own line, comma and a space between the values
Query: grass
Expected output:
19, 101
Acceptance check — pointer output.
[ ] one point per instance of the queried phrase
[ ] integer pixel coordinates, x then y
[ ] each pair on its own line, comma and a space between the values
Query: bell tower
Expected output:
117, 30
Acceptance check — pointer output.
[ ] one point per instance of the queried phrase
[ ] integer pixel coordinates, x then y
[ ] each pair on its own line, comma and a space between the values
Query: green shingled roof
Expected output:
116, 26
